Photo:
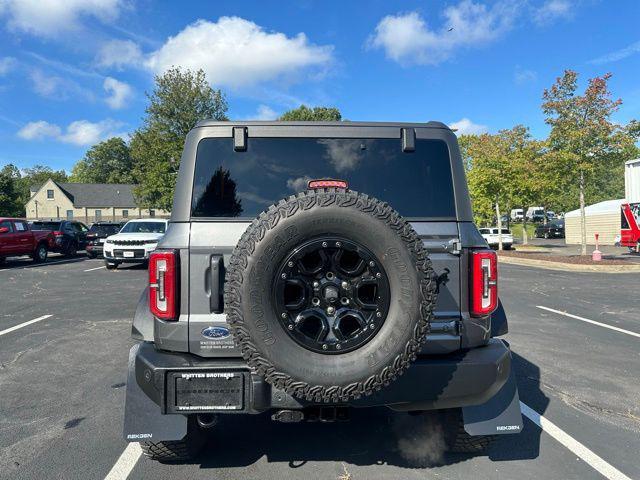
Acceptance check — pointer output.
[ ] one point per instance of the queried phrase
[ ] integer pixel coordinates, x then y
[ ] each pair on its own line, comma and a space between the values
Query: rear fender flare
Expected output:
142, 328
499, 324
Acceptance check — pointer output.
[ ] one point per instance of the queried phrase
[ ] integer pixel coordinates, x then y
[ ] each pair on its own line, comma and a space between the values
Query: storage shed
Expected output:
602, 218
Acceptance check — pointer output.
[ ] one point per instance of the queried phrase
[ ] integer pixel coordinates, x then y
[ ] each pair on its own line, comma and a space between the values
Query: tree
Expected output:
315, 114
219, 197
10, 201
501, 172
585, 143
179, 100
105, 162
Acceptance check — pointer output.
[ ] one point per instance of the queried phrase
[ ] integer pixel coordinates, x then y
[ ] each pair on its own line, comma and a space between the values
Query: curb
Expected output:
572, 267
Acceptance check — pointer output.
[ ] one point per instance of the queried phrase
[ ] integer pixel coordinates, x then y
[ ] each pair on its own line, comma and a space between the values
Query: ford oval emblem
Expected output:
216, 333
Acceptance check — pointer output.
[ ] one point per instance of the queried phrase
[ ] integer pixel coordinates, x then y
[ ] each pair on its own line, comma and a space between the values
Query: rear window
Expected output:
243, 184
144, 227
52, 226
104, 229
505, 231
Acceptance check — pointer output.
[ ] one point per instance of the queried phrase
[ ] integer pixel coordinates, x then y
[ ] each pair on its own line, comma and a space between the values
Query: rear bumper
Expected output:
437, 382
94, 249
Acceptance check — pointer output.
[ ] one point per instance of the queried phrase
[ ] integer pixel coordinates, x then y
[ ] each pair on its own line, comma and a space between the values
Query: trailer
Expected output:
630, 214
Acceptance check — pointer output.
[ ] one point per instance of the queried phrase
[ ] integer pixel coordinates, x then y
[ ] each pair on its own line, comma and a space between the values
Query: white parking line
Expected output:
125, 463
604, 325
54, 262
9, 330
97, 268
596, 462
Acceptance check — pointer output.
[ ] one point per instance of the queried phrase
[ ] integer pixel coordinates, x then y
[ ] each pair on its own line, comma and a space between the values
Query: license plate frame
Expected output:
210, 391
128, 254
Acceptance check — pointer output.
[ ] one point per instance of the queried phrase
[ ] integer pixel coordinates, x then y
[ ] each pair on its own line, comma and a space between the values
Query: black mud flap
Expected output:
143, 421
499, 415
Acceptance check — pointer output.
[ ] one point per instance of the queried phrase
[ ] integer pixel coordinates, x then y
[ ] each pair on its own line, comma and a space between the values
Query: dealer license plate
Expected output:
127, 254
209, 391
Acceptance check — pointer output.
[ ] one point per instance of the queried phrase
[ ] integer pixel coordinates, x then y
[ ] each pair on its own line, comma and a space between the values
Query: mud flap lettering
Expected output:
142, 418
499, 415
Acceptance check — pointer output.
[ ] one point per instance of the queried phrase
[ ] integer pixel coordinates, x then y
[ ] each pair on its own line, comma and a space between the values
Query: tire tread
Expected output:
286, 208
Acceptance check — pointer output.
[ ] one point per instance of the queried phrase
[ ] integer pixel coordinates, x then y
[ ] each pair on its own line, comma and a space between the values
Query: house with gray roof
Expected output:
86, 202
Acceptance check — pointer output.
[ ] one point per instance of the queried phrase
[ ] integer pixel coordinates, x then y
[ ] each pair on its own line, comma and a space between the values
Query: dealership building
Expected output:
86, 202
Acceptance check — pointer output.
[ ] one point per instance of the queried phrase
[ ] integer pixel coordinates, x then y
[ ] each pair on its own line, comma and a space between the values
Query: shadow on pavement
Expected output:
373, 436
24, 262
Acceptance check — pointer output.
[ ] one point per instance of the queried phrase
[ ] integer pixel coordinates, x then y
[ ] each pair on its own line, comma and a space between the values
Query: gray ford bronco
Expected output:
312, 268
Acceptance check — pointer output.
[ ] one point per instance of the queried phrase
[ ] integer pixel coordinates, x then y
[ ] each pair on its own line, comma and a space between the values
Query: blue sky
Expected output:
73, 72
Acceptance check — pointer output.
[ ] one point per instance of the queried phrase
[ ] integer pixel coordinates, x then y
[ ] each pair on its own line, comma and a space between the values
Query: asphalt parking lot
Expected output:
62, 389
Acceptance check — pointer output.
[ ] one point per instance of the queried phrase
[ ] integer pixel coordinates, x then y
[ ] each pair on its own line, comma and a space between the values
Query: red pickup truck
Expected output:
16, 238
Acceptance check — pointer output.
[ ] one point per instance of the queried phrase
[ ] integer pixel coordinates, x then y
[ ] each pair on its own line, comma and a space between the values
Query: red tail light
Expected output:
327, 183
484, 282
163, 284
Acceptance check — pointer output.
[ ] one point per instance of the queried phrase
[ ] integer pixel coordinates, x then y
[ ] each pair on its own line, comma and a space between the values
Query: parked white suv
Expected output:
491, 236
133, 244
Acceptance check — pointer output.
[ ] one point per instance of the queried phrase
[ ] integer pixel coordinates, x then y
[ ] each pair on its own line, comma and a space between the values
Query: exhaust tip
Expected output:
207, 420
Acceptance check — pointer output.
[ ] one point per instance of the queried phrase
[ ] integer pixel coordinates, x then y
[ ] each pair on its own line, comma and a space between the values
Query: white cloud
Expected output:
39, 130
552, 10
83, 132
119, 93
49, 18
58, 88
298, 184
264, 112
235, 52
6, 65
344, 155
118, 54
44, 85
407, 39
467, 127
617, 55
523, 75
80, 132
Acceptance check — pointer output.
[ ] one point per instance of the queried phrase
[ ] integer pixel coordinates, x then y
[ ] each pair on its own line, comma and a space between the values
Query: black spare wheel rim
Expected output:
307, 280
331, 294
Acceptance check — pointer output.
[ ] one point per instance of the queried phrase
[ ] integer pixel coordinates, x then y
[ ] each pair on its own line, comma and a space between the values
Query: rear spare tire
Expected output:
329, 295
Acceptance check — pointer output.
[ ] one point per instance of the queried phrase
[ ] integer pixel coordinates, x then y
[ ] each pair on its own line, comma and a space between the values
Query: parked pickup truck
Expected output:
16, 238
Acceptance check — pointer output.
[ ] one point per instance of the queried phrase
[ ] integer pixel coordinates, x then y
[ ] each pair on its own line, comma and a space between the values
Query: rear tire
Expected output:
92, 255
177, 451
40, 254
457, 440
71, 250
